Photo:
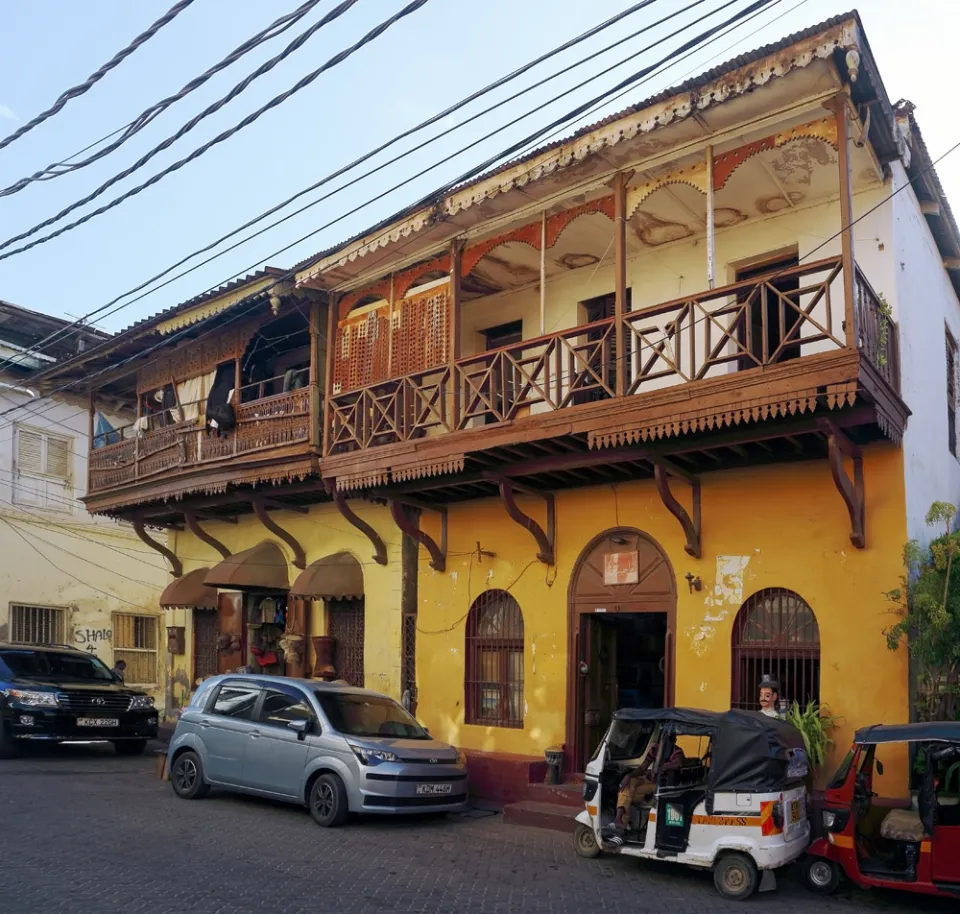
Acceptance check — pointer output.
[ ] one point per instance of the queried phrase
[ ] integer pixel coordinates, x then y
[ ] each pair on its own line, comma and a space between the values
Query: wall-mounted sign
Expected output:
621, 568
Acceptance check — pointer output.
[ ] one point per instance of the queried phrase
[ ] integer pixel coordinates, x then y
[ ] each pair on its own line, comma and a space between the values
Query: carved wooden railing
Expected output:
879, 335
262, 425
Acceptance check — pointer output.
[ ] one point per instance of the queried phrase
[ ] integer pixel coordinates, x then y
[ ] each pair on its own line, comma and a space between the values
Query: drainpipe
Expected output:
29, 391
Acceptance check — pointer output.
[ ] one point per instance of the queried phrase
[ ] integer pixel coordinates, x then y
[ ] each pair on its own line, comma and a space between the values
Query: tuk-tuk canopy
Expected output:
749, 751
937, 731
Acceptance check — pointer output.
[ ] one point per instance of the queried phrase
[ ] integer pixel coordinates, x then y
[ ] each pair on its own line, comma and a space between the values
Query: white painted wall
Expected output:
54, 554
925, 305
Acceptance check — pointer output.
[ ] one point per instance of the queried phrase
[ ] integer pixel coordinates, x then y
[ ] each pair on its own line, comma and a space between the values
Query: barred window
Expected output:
135, 642
775, 633
494, 661
37, 624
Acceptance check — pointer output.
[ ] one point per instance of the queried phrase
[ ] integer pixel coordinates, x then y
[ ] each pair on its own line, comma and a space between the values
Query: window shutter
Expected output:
29, 452
58, 457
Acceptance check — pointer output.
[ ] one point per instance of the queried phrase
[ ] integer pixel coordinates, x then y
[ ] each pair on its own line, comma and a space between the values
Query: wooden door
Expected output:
600, 685
230, 619
205, 633
348, 629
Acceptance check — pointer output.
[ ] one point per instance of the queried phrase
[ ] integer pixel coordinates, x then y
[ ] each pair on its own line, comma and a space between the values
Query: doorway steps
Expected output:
547, 806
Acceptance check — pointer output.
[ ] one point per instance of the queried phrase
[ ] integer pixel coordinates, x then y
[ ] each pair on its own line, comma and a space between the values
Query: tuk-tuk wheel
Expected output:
820, 875
735, 876
585, 842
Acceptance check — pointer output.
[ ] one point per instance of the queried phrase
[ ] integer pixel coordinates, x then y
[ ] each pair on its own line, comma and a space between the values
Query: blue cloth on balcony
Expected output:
104, 433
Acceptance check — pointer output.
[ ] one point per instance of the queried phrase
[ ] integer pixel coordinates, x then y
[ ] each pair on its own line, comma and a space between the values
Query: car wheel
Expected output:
131, 747
820, 875
585, 842
328, 801
8, 745
735, 877
186, 777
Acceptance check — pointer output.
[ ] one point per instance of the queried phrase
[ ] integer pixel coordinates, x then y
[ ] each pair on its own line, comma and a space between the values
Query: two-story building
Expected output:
67, 577
660, 403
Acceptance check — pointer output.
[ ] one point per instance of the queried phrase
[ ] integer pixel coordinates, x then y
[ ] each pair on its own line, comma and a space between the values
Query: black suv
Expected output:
56, 694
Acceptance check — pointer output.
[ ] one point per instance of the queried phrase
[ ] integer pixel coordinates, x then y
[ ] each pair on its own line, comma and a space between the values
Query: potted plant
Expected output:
815, 726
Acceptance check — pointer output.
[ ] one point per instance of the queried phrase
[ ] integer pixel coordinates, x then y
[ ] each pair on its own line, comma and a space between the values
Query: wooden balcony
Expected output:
741, 360
273, 435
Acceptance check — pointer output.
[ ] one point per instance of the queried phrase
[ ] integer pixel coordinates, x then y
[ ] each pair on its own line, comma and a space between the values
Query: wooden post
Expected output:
846, 221
620, 271
316, 439
456, 252
543, 273
332, 343
91, 423
390, 326
711, 226
237, 381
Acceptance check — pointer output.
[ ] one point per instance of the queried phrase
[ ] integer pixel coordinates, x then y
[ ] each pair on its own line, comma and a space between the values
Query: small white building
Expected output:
67, 577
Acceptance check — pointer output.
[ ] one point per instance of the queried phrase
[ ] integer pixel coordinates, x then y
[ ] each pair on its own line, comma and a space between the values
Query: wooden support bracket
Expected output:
193, 525
692, 528
546, 540
851, 491
299, 556
438, 553
175, 563
379, 548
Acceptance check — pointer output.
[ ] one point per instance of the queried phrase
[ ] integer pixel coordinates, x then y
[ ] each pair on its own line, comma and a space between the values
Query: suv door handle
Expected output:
254, 734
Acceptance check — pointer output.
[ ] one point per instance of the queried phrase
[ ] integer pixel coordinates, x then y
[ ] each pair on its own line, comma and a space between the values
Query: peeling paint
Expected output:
728, 587
703, 687
454, 576
701, 638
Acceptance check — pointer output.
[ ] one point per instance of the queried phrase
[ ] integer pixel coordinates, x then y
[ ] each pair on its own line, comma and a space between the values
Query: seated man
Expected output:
637, 784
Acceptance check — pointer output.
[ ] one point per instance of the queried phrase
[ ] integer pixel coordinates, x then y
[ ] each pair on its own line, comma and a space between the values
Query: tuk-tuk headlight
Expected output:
829, 819
589, 789
834, 820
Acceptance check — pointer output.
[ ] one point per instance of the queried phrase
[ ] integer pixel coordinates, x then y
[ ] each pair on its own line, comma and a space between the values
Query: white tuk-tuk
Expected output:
733, 799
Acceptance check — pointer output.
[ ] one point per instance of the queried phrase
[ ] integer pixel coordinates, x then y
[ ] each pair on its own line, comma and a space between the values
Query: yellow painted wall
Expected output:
321, 532
782, 526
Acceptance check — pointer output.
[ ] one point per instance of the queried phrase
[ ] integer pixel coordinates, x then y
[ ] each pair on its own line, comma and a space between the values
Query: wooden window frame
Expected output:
34, 482
119, 650
951, 390
504, 646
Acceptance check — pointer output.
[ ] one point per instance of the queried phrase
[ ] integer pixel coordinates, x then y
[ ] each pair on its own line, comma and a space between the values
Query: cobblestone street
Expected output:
85, 832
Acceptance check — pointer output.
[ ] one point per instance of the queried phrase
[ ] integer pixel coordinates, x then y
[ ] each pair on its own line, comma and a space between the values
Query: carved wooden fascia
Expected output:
175, 563
347, 513
299, 556
692, 529
193, 525
438, 553
546, 540
851, 491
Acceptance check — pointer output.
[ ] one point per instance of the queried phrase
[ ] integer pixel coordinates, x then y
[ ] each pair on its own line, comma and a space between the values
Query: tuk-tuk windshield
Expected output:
842, 773
629, 739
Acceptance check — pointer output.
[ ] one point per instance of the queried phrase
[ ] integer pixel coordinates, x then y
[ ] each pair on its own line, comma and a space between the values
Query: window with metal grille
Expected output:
135, 641
42, 476
775, 633
494, 661
408, 657
37, 624
951, 394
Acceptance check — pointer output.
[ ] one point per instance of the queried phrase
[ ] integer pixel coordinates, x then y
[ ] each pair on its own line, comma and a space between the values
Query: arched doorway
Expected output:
622, 608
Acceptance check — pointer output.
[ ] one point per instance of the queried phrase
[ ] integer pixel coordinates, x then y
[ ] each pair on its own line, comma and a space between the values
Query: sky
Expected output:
422, 64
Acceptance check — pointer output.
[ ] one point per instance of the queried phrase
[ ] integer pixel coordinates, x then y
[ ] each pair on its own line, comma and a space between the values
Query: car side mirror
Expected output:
879, 767
300, 727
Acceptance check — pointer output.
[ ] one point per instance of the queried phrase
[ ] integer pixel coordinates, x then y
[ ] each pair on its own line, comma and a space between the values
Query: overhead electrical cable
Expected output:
302, 83
67, 166
97, 75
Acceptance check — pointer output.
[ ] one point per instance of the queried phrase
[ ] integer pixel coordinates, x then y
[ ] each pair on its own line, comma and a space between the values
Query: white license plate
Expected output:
97, 722
434, 790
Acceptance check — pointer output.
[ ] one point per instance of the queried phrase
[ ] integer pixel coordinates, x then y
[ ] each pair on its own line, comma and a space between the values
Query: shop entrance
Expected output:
622, 615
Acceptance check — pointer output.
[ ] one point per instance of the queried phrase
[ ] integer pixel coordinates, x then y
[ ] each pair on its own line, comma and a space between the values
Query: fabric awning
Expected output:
334, 576
262, 567
189, 592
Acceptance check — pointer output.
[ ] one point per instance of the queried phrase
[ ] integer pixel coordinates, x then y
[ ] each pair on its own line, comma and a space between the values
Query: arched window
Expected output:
494, 661
775, 632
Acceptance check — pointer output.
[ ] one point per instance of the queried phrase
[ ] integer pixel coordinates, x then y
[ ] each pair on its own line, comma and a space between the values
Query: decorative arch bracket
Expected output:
852, 491
175, 563
546, 539
260, 506
438, 553
348, 514
692, 527
193, 525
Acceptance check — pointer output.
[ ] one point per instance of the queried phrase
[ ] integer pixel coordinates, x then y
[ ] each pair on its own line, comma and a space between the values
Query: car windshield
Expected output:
27, 664
369, 715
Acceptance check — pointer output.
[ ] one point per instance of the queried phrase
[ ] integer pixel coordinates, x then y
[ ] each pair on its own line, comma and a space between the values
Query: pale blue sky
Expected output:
428, 61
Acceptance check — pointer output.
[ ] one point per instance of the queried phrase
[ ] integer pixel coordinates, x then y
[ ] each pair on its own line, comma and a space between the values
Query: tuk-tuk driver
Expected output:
638, 784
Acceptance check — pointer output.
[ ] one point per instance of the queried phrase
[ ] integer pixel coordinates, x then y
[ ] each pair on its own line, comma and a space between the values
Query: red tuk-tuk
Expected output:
872, 843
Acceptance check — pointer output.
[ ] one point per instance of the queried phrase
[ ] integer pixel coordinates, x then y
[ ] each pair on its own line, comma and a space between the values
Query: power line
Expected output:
83, 321
65, 166
288, 274
97, 75
302, 83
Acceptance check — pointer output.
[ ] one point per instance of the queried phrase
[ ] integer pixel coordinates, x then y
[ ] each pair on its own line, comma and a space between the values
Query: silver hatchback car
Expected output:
336, 749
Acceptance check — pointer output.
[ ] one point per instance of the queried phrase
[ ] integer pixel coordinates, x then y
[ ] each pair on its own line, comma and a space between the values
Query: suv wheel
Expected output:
130, 747
8, 745
328, 801
186, 776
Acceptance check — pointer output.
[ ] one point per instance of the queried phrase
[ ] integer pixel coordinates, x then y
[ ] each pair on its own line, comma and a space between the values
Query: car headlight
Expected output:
33, 699
141, 703
461, 759
372, 756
